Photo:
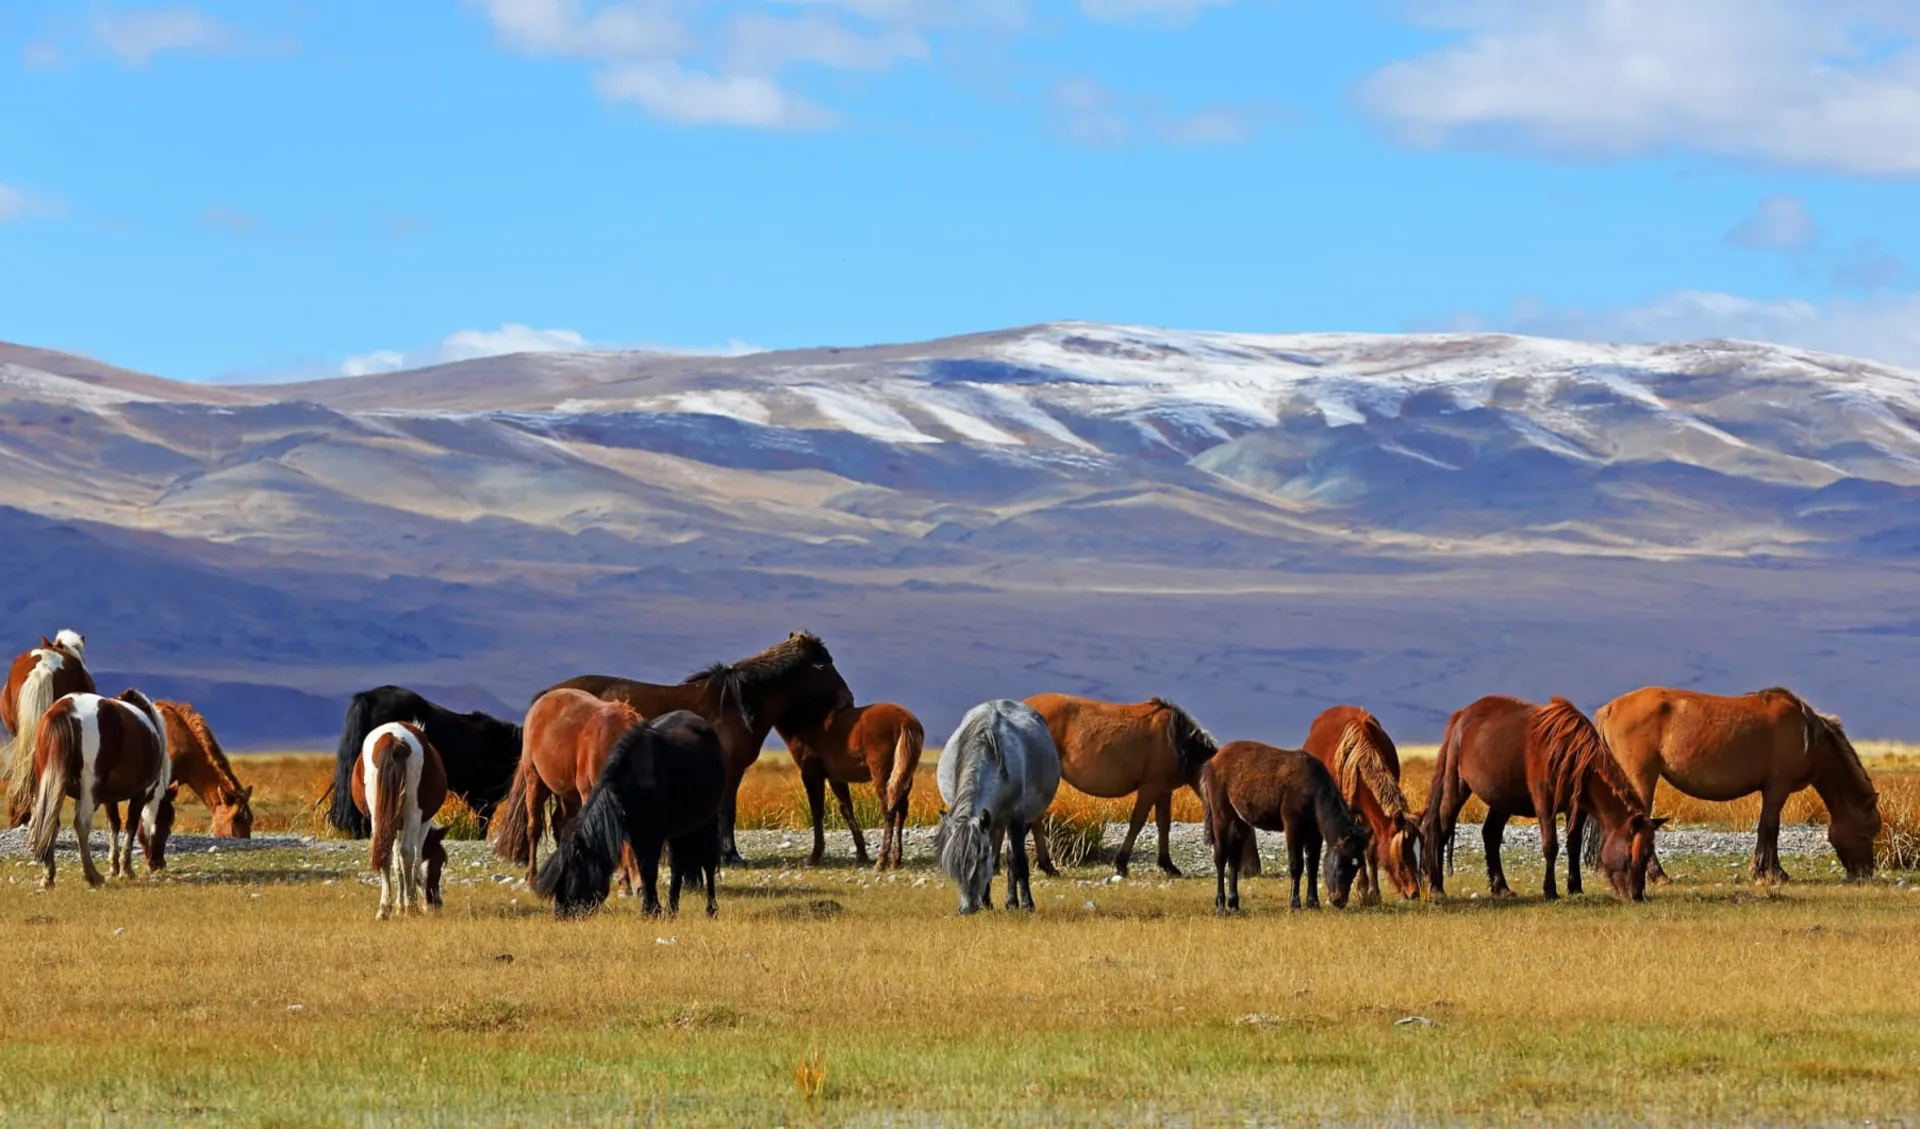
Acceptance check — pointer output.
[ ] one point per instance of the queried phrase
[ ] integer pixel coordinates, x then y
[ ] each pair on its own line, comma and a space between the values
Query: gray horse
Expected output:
997, 775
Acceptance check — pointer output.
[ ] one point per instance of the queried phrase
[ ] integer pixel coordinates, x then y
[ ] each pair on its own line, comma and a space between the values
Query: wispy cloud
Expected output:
1169, 11
1780, 223
474, 344
230, 219
1088, 112
135, 36
1822, 84
17, 205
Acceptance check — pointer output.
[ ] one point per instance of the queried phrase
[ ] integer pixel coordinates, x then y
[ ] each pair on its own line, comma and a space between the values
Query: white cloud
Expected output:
17, 205
1822, 84
564, 28
672, 93
1780, 223
473, 344
1088, 112
1883, 328
136, 36
40, 56
1171, 11
761, 44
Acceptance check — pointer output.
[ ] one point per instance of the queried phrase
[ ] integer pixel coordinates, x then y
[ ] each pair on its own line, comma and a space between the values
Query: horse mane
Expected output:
1359, 761
1576, 754
222, 768
746, 680
1191, 742
1818, 723
1331, 809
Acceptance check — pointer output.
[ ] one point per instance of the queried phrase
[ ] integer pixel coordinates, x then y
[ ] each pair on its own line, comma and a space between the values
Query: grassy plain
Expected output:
254, 987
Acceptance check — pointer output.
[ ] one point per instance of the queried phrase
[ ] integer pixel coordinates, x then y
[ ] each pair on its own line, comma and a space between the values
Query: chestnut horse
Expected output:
37, 678
202, 766
399, 784
793, 684
102, 751
1539, 762
1249, 785
1109, 749
1355, 747
1772, 742
568, 736
881, 743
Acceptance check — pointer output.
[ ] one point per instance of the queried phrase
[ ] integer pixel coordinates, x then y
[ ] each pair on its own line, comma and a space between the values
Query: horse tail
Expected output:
62, 739
36, 698
1436, 825
579, 873
353, 734
390, 794
509, 830
907, 748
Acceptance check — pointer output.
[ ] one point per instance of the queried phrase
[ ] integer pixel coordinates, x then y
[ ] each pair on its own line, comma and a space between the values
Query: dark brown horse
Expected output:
1248, 785
881, 743
1772, 742
1535, 761
1355, 747
102, 751
1107, 749
35, 681
568, 735
793, 684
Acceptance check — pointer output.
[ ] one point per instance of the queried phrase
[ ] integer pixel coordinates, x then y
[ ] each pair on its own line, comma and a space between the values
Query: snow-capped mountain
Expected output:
1024, 469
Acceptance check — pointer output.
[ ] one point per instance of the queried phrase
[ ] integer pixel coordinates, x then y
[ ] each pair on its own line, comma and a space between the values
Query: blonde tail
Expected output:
36, 698
63, 741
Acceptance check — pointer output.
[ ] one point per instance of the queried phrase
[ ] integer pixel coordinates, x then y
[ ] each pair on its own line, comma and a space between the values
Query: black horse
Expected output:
662, 786
480, 752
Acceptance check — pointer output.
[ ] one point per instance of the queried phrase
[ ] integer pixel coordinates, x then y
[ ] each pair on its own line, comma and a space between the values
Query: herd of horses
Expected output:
625, 773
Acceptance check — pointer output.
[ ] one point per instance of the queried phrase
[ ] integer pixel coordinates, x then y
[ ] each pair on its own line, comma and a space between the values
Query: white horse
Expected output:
997, 775
399, 786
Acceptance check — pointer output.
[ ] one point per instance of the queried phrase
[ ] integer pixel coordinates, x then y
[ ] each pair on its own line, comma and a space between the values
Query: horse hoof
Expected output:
1170, 870
382, 914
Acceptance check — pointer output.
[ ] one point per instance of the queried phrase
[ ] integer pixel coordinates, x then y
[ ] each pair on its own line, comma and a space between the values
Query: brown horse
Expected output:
1537, 762
1249, 785
565, 741
34, 682
202, 766
1355, 747
101, 751
792, 684
1109, 749
399, 784
1772, 742
881, 743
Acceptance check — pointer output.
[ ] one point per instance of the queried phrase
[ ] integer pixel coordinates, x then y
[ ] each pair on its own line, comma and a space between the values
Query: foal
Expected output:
1248, 785
398, 784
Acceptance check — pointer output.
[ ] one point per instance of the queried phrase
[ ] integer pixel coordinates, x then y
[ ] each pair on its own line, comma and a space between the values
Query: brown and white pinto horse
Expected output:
1772, 742
565, 742
793, 684
881, 743
102, 751
34, 682
1534, 761
399, 784
202, 766
1355, 747
1109, 749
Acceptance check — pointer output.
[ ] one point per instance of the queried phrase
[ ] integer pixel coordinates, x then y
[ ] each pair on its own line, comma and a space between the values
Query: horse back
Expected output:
129, 757
1266, 786
1109, 748
1492, 754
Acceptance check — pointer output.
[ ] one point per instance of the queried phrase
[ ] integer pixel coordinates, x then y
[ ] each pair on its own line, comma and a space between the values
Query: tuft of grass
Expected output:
1898, 847
1073, 839
459, 819
810, 1075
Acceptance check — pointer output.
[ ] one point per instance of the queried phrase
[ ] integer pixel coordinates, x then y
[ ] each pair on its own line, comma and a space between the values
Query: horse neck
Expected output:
1331, 812
1840, 780
1606, 801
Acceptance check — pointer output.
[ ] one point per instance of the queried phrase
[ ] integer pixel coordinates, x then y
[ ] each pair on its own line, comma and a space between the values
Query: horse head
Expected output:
1342, 862
1626, 850
233, 819
1853, 806
1403, 855
963, 848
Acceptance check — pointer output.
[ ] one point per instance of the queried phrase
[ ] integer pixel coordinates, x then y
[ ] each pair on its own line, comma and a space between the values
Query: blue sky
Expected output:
284, 187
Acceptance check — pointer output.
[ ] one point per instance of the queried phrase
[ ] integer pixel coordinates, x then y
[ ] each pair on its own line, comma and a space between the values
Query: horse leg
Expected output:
1313, 872
1490, 836
676, 871
386, 892
1019, 885
1766, 845
1370, 871
650, 879
536, 824
1576, 830
83, 831
1141, 806
136, 828
815, 779
1646, 779
1163, 822
844, 799
1042, 854
1549, 839
1296, 860
729, 852
114, 866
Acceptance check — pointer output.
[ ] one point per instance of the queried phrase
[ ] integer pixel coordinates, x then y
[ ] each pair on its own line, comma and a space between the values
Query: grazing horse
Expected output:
997, 775
1772, 742
1355, 747
102, 751
663, 786
398, 784
37, 678
202, 766
478, 751
1249, 785
568, 737
1108, 749
1536, 762
879, 743
793, 684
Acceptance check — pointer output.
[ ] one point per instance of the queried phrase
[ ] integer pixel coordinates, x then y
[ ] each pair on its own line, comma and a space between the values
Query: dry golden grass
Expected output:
256, 988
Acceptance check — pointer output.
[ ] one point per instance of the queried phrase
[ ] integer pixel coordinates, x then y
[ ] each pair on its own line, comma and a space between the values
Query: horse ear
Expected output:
1657, 824
247, 792
986, 820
